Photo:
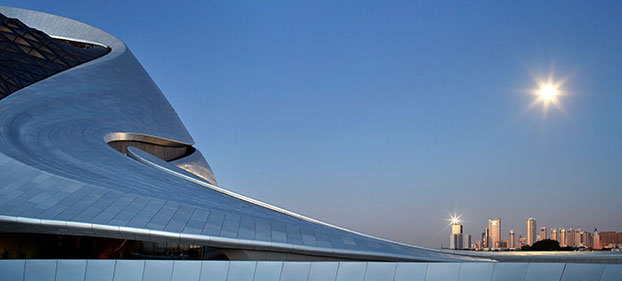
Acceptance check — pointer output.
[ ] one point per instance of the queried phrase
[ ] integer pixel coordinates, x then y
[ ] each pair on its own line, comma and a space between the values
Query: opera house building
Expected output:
99, 180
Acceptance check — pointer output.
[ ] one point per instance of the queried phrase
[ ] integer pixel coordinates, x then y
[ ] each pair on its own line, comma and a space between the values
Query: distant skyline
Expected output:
383, 117
521, 230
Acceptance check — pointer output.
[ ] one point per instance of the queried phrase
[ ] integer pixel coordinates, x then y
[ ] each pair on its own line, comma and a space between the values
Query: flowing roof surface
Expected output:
60, 175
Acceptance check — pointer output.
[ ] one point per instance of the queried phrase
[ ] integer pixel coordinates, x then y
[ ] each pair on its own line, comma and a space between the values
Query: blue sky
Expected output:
385, 116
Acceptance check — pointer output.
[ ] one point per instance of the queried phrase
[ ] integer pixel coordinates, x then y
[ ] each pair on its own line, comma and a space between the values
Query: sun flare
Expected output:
548, 92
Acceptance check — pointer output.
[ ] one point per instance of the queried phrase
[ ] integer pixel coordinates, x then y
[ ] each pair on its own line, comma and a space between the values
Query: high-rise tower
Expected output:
554, 234
563, 238
570, 237
543, 233
494, 226
531, 230
455, 239
596, 244
512, 239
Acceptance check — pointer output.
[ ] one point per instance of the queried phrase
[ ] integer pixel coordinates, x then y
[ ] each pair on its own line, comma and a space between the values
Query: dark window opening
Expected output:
81, 45
164, 152
52, 246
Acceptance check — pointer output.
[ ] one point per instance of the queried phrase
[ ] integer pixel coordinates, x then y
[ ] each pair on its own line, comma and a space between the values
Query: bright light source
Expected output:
453, 219
548, 92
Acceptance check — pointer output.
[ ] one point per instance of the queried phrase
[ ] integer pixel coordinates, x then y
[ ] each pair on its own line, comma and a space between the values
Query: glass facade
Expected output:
28, 55
50, 246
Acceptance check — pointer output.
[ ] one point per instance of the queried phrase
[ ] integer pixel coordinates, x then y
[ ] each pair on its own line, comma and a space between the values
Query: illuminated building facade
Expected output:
563, 237
570, 237
530, 228
543, 233
456, 239
596, 244
512, 239
554, 234
494, 226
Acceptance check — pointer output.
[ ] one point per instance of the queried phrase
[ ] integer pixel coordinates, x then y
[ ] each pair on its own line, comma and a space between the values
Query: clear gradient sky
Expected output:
384, 116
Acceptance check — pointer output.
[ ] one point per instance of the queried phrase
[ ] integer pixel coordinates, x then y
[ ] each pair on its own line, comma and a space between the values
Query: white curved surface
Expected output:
154, 270
55, 131
59, 175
